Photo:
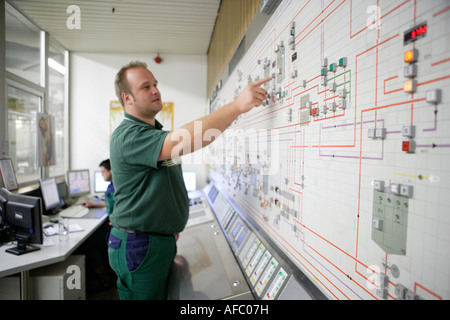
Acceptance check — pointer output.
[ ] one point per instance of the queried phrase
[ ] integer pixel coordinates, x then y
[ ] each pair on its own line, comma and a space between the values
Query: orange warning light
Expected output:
410, 86
411, 56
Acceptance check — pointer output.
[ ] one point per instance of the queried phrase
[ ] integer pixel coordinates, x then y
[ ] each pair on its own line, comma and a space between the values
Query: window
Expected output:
23, 46
23, 107
30, 54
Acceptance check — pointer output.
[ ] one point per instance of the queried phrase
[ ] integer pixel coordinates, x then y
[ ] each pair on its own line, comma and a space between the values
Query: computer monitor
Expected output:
79, 183
4, 194
100, 185
24, 219
190, 180
50, 195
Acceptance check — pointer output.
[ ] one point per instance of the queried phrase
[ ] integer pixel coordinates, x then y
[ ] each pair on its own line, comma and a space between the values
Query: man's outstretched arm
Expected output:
182, 141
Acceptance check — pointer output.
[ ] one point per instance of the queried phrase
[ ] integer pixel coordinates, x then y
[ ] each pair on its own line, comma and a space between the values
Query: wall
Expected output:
182, 80
324, 172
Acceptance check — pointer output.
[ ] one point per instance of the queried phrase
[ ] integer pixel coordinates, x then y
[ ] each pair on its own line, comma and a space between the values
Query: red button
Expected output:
405, 146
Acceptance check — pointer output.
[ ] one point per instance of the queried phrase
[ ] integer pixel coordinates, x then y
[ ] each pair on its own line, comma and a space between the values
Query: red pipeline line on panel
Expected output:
439, 62
441, 12
427, 290
321, 21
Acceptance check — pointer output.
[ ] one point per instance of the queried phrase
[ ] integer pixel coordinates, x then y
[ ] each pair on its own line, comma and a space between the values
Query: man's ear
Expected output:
127, 98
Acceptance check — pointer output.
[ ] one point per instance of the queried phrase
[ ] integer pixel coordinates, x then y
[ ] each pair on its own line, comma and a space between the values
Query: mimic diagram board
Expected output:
345, 166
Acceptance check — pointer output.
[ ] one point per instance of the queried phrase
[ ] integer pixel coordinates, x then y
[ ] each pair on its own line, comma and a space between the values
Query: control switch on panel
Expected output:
289, 115
400, 291
434, 96
333, 67
294, 74
411, 295
332, 106
378, 185
410, 71
406, 191
342, 103
380, 133
409, 131
332, 86
395, 188
377, 224
382, 290
342, 93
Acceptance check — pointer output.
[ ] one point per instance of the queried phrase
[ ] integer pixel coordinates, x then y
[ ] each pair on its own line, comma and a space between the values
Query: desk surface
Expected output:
11, 264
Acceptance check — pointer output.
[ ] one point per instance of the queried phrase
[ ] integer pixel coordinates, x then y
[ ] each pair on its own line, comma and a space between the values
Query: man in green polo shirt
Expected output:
151, 202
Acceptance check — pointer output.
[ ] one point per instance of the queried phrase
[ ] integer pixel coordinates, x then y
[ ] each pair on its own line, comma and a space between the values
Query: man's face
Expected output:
146, 98
107, 175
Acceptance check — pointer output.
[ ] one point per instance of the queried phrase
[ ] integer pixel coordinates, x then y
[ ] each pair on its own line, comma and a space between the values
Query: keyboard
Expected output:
75, 211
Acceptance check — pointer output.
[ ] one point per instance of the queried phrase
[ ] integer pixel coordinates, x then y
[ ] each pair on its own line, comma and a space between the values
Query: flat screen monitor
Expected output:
50, 194
190, 180
24, 219
79, 183
100, 185
4, 194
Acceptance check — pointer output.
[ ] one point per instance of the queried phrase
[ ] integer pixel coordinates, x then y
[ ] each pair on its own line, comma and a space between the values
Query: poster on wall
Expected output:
46, 140
8, 177
165, 117
116, 115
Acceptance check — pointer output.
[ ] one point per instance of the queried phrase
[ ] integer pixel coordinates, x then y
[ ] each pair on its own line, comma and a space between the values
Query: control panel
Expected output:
344, 167
266, 268
205, 267
199, 210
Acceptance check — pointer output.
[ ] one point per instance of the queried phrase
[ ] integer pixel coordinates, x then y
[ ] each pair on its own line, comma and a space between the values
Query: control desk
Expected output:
221, 255
205, 267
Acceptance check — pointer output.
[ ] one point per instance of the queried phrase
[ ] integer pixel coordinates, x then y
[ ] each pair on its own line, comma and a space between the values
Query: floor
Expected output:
101, 287
107, 294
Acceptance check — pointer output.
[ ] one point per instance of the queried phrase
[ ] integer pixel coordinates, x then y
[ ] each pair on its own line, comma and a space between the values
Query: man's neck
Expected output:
148, 119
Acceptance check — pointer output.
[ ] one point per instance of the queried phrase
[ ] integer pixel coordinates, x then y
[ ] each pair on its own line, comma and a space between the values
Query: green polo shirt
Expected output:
150, 196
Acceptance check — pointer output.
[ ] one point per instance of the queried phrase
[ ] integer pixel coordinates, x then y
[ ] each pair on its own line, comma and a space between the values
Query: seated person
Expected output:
98, 272
105, 168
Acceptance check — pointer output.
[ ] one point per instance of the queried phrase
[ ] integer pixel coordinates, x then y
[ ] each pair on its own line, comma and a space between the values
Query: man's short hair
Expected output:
121, 83
106, 164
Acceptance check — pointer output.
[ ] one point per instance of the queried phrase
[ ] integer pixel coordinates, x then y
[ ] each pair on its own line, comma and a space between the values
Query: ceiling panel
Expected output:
127, 26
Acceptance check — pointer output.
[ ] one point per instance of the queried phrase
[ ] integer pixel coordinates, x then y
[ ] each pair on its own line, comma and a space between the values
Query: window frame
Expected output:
42, 90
